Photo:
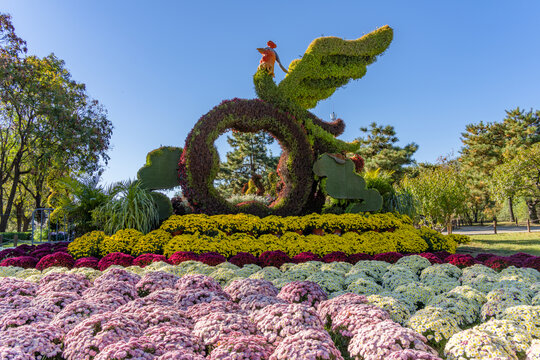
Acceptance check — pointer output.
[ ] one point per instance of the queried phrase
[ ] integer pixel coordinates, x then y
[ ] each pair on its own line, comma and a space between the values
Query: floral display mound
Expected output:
410, 309
242, 238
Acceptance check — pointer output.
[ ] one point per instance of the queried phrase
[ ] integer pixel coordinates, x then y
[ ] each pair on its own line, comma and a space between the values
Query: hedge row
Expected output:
233, 234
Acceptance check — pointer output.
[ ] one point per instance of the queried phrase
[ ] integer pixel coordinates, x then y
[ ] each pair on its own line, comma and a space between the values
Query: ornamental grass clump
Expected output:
213, 328
279, 321
311, 344
92, 335
168, 338
36, 341
241, 288
473, 344
303, 292
154, 281
379, 340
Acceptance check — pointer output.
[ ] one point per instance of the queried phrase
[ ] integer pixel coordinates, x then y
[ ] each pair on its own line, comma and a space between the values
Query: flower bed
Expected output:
410, 309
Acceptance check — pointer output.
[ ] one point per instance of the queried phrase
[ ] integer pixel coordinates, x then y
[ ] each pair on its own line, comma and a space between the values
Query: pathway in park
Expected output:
488, 229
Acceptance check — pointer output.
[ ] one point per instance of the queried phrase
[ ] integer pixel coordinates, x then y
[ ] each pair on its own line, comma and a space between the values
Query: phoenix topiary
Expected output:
282, 111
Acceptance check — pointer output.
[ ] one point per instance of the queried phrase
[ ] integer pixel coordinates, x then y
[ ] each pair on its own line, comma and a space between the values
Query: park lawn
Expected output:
503, 244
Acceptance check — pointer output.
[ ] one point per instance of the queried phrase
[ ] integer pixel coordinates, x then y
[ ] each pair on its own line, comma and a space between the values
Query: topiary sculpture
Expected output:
282, 111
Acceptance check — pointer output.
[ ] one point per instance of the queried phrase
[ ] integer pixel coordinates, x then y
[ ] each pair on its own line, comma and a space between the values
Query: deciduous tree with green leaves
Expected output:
488, 145
45, 118
379, 150
440, 192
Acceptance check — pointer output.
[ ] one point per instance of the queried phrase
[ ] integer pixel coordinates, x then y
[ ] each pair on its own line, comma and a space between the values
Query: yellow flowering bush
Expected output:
190, 224
460, 239
184, 242
153, 243
375, 243
437, 241
121, 241
408, 240
86, 245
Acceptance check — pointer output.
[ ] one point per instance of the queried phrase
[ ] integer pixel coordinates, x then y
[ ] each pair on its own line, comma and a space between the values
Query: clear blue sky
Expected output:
157, 66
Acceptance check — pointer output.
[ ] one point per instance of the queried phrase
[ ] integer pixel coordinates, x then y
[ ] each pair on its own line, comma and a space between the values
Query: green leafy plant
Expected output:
131, 206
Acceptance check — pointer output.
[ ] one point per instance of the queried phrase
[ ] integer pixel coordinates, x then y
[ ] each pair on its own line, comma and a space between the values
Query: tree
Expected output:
520, 176
379, 150
440, 193
486, 145
249, 158
45, 118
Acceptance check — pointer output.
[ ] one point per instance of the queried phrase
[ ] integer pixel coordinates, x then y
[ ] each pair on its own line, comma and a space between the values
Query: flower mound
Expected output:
243, 258
26, 262
146, 259
168, 338
476, 344
274, 258
116, 258
120, 275
34, 341
277, 322
377, 341
409, 354
461, 260
154, 281
188, 298
312, 344
328, 309
92, 335
303, 292
197, 282
76, 312
389, 257
25, 316
242, 347
351, 319
135, 348
239, 289
305, 257
60, 259
88, 262
214, 327
212, 258
181, 256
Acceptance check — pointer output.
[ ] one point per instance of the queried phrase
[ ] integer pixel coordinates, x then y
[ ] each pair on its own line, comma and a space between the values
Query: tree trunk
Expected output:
511, 209
9, 204
449, 226
531, 206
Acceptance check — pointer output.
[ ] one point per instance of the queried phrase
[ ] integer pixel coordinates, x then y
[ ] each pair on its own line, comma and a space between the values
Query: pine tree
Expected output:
249, 158
379, 150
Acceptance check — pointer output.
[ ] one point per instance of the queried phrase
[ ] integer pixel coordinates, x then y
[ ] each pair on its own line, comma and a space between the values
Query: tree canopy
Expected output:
379, 150
47, 120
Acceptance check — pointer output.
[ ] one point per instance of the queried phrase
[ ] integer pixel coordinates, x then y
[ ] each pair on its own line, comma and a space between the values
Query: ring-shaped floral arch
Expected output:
199, 162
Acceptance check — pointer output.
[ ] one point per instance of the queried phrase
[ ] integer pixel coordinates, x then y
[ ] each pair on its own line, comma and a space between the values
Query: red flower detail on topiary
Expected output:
358, 163
271, 44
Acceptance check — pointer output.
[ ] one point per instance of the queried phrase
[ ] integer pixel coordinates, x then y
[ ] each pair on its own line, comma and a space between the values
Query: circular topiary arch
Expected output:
199, 162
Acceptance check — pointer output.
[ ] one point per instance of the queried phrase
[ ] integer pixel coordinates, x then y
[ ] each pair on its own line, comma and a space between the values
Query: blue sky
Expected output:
157, 66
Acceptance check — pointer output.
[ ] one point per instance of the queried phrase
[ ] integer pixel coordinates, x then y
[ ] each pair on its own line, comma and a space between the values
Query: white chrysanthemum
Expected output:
473, 344
415, 292
447, 270
441, 284
396, 276
267, 273
336, 266
9, 271
328, 280
516, 334
223, 275
363, 286
416, 263
437, 325
398, 310
525, 315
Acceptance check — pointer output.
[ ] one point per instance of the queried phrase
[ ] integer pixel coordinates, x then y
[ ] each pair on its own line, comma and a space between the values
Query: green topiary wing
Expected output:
329, 63
161, 169
342, 182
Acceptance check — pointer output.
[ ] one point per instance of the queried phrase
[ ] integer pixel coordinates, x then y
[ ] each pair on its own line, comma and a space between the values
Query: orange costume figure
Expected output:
269, 58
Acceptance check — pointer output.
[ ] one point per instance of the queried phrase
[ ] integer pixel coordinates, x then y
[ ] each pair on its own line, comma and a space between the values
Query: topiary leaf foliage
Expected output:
342, 182
161, 169
329, 63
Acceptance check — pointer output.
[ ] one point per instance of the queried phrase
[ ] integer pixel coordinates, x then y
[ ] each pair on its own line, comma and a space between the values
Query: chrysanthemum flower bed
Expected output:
414, 308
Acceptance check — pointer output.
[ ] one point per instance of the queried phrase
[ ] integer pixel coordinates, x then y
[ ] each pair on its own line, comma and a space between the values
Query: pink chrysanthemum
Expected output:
239, 289
312, 344
303, 292
328, 309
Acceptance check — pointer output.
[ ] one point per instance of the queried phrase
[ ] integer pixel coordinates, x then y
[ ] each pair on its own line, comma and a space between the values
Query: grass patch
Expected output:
503, 244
